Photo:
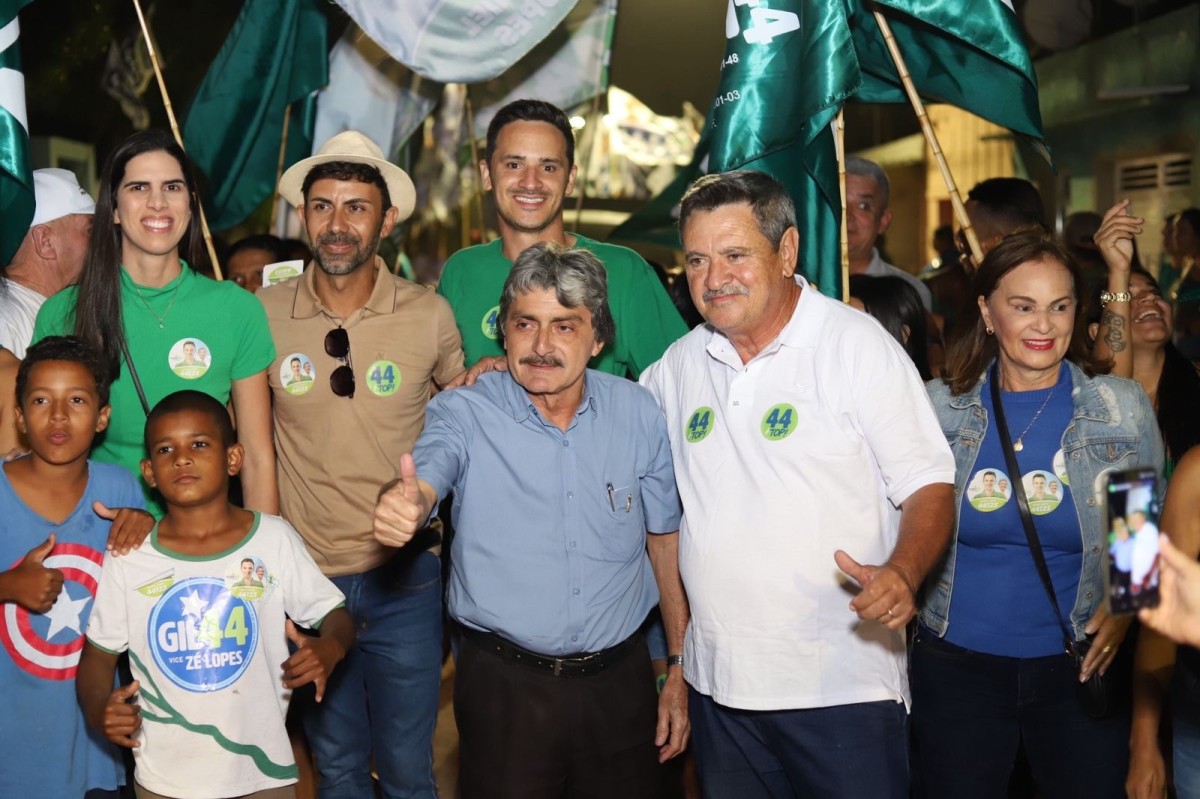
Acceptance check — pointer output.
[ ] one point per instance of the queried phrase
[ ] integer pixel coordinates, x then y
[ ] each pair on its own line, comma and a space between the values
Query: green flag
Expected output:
788, 68
786, 72
16, 175
968, 53
276, 56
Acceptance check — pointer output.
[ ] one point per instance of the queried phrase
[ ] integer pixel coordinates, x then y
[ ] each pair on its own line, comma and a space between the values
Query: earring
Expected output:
989, 331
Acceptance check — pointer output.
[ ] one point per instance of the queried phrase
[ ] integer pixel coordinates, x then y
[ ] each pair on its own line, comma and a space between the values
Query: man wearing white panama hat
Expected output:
375, 345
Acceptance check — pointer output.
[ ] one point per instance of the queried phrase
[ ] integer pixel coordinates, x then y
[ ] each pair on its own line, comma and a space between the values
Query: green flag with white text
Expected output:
16, 175
789, 67
787, 70
276, 56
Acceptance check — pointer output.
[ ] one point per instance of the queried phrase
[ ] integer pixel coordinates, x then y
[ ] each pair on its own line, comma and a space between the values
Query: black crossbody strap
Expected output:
1035, 545
137, 383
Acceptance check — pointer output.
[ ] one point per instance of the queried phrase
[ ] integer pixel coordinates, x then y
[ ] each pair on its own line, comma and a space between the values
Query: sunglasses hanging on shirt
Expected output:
341, 379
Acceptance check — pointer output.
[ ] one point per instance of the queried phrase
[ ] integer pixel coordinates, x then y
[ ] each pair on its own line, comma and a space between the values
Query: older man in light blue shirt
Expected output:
566, 519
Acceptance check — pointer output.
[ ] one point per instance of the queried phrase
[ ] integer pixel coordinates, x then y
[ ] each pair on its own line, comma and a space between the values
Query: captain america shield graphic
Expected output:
47, 645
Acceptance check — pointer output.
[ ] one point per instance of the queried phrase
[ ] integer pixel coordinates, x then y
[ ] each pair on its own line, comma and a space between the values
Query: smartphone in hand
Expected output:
1131, 517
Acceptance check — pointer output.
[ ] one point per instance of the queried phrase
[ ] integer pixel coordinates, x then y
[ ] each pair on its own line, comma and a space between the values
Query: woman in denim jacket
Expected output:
989, 671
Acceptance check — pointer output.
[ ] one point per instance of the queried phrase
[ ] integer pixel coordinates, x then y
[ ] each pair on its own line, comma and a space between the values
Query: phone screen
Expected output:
1132, 516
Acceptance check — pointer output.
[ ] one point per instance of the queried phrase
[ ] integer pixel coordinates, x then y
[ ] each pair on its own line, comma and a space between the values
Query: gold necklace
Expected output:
1018, 445
162, 320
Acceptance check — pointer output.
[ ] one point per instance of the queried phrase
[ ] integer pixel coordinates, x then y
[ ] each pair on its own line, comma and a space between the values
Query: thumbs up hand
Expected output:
403, 506
30, 584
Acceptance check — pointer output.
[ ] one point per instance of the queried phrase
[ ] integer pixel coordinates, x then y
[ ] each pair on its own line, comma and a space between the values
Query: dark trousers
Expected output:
527, 734
971, 712
841, 752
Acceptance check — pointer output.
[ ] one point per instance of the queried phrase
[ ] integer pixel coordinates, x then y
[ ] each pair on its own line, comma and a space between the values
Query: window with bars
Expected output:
1157, 187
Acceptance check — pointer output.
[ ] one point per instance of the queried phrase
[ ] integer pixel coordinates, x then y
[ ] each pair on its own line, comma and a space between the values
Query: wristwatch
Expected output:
1114, 296
674, 660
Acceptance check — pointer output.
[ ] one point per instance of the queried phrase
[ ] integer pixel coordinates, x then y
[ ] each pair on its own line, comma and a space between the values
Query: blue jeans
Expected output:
971, 711
842, 751
383, 697
1185, 726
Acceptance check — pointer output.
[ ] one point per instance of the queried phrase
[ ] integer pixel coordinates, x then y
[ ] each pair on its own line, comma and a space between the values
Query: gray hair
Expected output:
768, 199
856, 165
576, 276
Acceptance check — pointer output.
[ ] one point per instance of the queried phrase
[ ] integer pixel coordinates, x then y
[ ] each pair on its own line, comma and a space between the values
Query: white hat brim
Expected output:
400, 185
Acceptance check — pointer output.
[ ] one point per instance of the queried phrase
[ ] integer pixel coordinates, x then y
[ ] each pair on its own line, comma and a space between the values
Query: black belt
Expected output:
581, 665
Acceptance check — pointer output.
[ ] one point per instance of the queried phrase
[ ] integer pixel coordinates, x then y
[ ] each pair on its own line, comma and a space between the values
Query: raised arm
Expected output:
1115, 240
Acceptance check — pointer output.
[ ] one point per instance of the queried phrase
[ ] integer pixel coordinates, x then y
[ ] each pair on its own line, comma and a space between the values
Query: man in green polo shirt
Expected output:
529, 166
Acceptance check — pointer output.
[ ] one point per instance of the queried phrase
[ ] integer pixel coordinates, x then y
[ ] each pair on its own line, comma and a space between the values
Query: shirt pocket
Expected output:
623, 534
1118, 452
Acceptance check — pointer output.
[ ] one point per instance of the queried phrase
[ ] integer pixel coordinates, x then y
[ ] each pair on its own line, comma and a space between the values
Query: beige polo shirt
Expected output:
335, 453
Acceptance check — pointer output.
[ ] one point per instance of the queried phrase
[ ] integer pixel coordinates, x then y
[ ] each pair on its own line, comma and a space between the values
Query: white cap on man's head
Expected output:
57, 193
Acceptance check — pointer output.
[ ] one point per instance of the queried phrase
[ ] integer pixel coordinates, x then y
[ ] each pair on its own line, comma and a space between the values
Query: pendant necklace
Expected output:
1019, 445
162, 320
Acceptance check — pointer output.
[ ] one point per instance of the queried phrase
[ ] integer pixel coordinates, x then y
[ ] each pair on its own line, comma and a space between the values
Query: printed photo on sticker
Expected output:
247, 579
989, 490
189, 358
1042, 490
297, 373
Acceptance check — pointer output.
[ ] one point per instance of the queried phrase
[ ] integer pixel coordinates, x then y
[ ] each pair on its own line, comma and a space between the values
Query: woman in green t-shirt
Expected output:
150, 314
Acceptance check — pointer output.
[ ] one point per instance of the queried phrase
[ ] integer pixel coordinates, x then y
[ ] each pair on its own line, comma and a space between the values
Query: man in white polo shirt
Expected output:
817, 493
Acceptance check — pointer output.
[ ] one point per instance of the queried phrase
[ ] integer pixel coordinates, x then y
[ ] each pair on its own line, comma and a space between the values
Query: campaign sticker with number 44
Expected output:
383, 378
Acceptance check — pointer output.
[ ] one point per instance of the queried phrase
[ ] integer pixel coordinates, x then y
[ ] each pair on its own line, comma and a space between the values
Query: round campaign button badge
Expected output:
989, 490
202, 635
189, 358
383, 378
297, 373
778, 422
699, 425
489, 322
1042, 490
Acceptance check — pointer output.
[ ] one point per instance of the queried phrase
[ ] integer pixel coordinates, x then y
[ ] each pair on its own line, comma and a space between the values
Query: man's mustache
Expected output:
727, 292
541, 360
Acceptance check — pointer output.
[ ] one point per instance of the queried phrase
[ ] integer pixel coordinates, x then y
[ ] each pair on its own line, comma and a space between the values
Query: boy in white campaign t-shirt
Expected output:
207, 636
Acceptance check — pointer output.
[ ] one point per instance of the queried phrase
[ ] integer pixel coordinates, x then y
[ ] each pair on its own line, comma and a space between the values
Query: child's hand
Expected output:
313, 661
121, 719
130, 526
32, 585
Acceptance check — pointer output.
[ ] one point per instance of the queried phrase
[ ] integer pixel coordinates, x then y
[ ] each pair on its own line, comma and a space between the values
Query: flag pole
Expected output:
581, 182
960, 210
840, 139
287, 116
162, 88
476, 181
